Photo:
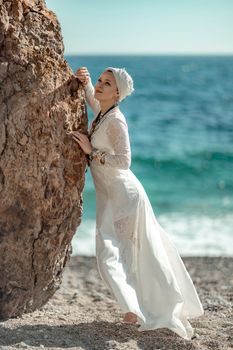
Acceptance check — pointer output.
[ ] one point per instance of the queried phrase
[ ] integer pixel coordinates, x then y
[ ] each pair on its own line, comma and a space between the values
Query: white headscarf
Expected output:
123, 80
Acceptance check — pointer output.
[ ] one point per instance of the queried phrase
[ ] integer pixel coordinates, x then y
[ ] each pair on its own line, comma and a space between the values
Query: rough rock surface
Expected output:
42, 169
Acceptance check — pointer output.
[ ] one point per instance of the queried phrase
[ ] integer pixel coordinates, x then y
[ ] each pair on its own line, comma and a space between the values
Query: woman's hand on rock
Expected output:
83, 141
83, 75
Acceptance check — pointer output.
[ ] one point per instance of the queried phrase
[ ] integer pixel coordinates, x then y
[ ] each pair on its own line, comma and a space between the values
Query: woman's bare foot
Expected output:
130, 317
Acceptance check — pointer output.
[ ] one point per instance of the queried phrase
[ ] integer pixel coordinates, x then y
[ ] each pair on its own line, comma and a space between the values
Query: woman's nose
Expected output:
99, 86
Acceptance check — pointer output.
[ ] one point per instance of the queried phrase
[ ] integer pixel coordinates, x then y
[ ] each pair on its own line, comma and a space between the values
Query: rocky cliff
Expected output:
42, 169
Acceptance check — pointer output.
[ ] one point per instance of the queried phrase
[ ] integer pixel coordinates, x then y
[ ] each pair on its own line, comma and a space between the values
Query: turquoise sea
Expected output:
180, 121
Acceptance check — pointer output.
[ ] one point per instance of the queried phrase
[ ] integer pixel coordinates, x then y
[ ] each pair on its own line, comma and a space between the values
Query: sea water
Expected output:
180, 120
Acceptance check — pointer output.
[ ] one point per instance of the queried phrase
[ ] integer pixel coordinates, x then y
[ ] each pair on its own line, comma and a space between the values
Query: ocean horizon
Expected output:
180, 121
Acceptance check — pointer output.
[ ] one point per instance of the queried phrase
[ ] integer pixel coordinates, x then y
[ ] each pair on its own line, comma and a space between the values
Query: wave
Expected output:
193, 235
189, 161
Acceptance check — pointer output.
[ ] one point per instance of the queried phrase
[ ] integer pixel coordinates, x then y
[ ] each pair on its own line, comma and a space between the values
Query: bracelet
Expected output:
97, 155
91, 155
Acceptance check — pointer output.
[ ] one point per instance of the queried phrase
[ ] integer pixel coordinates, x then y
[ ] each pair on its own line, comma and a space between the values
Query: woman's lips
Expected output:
100, 92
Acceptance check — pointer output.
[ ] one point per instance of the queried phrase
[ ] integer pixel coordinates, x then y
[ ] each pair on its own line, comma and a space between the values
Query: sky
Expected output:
145, 26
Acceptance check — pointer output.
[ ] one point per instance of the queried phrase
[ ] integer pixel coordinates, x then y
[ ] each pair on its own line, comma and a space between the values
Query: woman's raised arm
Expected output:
84, 76
91, 100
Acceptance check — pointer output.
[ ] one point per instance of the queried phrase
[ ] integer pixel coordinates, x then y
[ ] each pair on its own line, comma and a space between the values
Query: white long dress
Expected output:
136, 259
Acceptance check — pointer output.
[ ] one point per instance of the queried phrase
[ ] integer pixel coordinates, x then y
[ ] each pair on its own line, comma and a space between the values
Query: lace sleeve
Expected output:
91, 100
117, 131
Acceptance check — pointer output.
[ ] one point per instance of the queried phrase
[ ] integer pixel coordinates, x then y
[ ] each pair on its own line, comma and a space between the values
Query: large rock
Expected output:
42, 169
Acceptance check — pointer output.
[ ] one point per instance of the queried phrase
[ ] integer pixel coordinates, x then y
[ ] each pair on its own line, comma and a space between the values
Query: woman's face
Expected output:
106, 88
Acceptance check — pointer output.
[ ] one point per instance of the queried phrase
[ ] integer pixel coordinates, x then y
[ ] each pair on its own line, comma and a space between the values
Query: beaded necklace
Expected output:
98, 119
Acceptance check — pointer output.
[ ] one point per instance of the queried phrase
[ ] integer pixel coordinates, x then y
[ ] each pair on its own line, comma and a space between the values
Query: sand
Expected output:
84, 315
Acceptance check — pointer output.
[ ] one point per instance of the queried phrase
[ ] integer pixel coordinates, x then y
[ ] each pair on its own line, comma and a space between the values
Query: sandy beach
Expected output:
84, 315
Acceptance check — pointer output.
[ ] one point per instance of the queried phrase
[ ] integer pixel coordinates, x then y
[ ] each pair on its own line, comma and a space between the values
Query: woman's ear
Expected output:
118, 96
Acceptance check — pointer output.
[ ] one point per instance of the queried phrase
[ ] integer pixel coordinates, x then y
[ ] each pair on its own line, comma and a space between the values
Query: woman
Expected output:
135, 256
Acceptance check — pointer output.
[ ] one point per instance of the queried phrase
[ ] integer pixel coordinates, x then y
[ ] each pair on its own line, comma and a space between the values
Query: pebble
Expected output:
22, 345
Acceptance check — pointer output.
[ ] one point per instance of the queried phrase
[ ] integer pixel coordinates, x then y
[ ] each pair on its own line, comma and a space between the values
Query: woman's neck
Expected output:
104, 106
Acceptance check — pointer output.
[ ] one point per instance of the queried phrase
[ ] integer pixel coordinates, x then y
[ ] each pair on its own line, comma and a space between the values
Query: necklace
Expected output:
98, 119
